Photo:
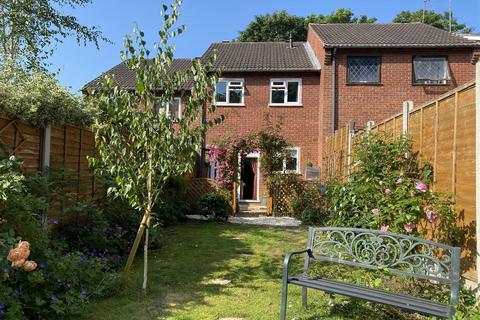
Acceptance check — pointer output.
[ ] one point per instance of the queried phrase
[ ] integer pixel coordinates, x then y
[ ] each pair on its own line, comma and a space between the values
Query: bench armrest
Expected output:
289, 256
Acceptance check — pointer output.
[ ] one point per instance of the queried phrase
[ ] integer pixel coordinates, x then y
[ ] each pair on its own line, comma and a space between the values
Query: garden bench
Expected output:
397, 254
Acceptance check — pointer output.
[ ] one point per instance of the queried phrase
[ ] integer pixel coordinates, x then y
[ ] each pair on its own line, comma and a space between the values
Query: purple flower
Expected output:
54, 297
6, 270
384, 228
41, 266
409, 227
420, 186
84, 260
2, 306
399, 181
387, 191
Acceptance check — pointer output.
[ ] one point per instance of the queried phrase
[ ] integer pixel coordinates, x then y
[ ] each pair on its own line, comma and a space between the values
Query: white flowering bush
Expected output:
38, 98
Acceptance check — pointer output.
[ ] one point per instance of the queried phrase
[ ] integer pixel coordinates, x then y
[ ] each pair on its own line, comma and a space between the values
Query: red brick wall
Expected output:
377, 102
300, 124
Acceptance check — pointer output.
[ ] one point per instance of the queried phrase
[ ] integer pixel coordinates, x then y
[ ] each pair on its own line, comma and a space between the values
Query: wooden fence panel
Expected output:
443, 132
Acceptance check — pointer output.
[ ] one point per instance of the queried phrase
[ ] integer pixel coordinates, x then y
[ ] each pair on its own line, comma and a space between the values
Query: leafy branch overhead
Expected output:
31, 29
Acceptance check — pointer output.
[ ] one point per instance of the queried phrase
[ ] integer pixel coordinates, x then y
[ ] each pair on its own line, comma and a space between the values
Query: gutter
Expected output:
334, 91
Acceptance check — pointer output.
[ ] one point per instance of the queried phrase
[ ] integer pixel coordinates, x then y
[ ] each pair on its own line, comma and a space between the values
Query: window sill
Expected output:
229, 104
366, 84
285, 105
431, 84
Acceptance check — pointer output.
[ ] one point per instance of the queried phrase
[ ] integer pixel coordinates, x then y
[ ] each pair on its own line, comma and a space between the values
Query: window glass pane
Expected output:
291, 163
364, 69
235, 95
431, 70
278, 96
221, 92
277, 164
292, 92
174, 109
279, 83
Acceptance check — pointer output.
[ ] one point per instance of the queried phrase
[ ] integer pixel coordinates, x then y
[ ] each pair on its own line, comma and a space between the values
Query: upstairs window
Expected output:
229, 92
363, 70
173, 108
291, 163
430, 70
285, 91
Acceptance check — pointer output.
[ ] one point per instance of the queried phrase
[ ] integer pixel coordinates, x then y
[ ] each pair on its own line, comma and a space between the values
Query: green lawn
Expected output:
195, 256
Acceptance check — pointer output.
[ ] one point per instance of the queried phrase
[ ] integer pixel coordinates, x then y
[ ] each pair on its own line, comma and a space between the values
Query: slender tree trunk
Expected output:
145, 262
136, 243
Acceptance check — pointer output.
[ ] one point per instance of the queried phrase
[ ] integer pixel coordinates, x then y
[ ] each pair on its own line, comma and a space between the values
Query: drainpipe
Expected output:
334, 91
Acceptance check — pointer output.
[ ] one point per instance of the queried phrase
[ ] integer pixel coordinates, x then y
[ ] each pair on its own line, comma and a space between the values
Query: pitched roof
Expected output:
262, 56
388, 35
126, 78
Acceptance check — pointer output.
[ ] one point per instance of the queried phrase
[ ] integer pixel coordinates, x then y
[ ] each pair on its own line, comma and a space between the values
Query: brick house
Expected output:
343, 72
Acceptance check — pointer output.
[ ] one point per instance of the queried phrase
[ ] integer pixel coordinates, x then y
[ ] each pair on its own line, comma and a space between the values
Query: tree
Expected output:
31, 29
279, 26
432, 18
140, 147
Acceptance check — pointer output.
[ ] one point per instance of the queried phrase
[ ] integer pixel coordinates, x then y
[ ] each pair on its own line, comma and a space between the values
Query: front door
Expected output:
249, 177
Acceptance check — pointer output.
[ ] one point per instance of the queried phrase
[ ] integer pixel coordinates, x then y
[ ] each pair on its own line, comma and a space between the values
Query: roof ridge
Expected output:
368, 23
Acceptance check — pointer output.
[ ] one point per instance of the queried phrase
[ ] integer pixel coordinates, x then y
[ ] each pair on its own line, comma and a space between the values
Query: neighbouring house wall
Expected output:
300, 123
362, 103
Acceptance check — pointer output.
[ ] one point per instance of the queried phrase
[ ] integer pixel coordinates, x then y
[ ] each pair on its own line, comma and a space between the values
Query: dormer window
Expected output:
430, 70
285, 92
229, 92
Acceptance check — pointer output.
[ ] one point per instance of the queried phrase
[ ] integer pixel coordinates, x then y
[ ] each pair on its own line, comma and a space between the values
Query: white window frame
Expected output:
229, 85
284, 163
167, 108
285, 98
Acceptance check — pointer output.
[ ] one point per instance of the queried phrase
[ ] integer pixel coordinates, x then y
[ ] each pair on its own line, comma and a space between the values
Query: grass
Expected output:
184, 273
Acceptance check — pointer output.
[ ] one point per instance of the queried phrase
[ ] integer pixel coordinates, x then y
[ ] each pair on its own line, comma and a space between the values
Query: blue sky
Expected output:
209, 21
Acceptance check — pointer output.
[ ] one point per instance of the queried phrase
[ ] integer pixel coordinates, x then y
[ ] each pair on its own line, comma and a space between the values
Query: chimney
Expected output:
290, 43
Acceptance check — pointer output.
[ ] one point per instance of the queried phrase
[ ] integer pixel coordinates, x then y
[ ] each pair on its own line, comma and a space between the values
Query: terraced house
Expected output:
343, 72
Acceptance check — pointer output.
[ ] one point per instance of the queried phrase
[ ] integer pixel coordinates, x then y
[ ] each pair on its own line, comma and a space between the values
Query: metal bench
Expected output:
371, 249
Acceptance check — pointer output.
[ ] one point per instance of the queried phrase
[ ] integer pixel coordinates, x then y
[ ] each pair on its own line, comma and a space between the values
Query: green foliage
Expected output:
173, 206
39, 99
310, 206
66, 277
10, 179
213, 205
30, 30
279, 26
389, 189
436, 19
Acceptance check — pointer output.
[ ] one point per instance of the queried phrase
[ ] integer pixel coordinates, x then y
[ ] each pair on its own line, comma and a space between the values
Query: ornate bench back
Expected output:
399, 254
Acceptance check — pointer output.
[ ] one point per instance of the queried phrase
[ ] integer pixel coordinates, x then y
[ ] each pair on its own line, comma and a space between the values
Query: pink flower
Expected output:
387, 191
249, 130
420, 186
399, 181
408, 227
376, 212
384, 228
431, 215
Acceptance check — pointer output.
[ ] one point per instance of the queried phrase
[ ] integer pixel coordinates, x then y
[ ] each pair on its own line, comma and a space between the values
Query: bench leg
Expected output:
304, 297
283, 308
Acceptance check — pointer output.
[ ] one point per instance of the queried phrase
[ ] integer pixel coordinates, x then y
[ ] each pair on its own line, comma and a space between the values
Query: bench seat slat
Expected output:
405, 302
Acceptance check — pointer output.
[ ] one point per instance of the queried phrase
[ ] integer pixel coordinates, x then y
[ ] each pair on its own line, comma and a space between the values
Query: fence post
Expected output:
46, 145
351, 132
407, 106
477, 165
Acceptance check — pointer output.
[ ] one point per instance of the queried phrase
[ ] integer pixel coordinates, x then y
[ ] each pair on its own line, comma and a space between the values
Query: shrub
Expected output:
310, 206
390, 189
173, 206
39, 99
213, 205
